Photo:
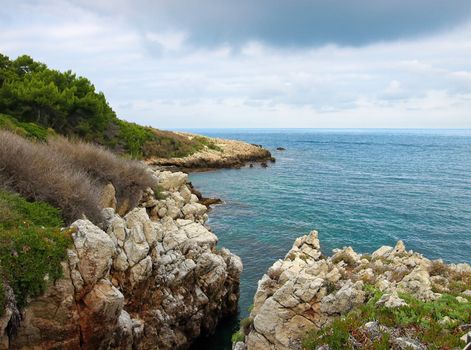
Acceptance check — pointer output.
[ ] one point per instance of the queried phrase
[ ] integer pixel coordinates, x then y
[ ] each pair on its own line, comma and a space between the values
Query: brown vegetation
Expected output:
68, 175
129, 177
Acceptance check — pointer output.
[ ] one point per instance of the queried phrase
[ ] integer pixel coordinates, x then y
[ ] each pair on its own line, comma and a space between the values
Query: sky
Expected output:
259, 63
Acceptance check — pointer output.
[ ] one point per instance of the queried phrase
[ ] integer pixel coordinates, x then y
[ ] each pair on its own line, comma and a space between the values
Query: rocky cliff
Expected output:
391, 299
153, 279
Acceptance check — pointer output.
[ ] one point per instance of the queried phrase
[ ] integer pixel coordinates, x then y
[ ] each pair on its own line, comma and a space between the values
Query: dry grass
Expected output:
68, 175
129, 177
36, 173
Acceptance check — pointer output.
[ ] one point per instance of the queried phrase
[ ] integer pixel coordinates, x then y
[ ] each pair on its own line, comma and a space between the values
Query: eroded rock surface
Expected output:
306, 291
152, 279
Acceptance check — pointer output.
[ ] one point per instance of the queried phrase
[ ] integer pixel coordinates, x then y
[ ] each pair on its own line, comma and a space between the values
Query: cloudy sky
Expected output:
259, 63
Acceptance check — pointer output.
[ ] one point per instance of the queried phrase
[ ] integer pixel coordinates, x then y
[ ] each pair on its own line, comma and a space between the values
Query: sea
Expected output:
362, 188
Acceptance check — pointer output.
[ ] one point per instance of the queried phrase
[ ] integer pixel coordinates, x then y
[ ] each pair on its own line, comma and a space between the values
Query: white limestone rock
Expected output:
94, 249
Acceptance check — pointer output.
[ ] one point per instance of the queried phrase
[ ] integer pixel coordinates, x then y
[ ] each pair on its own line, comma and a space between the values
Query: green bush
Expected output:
29, 130
32, 246
237, 337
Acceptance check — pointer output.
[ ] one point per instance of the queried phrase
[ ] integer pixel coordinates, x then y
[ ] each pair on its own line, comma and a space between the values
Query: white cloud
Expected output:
157, 78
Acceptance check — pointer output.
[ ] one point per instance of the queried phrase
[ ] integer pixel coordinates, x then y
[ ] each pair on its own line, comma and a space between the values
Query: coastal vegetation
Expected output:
436, 323
392, 298
69, 175
36, 101
32, 246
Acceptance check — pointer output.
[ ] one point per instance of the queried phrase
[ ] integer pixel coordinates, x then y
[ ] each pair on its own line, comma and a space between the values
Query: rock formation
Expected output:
307, 290
151, 279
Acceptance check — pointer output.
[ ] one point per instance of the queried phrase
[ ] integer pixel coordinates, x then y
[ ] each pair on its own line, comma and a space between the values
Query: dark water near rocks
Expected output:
363, 188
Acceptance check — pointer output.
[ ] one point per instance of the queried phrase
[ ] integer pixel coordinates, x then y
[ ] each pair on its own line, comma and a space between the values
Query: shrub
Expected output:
37, 173
32, 246
438, 268
246, 324
127, 176
70, 175
29, 130
15, 210
237, 337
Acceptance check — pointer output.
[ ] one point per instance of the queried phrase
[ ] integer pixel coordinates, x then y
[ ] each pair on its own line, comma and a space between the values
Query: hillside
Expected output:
36, 101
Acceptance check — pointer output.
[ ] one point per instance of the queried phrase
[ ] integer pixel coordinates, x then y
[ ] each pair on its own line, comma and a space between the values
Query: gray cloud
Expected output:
136, 53
294, 23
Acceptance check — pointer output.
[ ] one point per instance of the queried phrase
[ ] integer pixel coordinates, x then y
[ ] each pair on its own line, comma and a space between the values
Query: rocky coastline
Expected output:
223, 154
358, 301
153, 278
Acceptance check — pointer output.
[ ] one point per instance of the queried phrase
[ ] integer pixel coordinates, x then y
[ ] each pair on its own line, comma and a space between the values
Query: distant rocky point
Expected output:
221, 153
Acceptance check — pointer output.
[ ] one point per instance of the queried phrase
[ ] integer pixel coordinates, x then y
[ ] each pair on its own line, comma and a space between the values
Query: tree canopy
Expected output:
31, 92
36, 101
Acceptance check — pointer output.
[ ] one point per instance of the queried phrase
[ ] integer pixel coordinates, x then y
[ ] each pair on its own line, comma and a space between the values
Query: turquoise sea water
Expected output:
359, 188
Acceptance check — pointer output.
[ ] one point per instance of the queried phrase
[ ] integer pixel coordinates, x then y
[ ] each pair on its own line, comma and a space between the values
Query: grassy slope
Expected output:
32, 246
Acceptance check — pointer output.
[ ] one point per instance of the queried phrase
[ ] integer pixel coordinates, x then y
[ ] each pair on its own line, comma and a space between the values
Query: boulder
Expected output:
169, 181
342, 301
391, 301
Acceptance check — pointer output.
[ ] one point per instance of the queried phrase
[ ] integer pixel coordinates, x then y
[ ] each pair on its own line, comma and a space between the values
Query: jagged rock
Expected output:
382, 252
169, 181
173, 211
120, 263
186, 194
400, 248
306, 291
99, 315
131, 286
123, 334
418, 283
391, 301
239, 346
350, 295
445, 321
136, 245
194, 210
141, 271
467, 293
466, 337
11, 316
347, 255
375, 330
94, 249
